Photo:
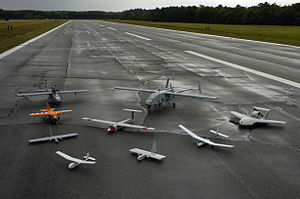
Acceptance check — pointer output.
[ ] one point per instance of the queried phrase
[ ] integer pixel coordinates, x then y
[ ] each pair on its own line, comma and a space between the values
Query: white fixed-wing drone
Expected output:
202, 141
142, 154
255, 115
115, 126
75, 161
52, 137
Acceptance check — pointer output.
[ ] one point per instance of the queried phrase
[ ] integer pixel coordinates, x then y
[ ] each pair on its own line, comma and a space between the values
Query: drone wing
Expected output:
33, 94
269, 121
41, 113
73, 159
43, 139
100, 121
134, 126
135, 89
64, 136
72, 91
238, 115
201, 139
193, 96
147, 153
49, 138
62, 111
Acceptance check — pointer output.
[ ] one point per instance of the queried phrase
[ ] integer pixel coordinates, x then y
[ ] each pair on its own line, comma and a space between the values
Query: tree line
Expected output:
263, 13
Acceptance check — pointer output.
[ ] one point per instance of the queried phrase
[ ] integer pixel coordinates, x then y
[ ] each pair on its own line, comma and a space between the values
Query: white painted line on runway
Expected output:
8, 52
128, 33
273, 77
101, 25
112, 28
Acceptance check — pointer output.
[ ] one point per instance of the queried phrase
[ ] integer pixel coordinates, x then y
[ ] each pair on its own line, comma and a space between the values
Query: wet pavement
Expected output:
98, 56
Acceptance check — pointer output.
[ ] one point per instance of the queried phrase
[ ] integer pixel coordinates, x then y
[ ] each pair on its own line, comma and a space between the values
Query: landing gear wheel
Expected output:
56, 121
174, 105
148, 108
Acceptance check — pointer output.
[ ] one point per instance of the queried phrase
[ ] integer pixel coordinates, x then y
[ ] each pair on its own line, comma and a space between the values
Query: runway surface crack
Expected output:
239, 179
69, 57
12, 111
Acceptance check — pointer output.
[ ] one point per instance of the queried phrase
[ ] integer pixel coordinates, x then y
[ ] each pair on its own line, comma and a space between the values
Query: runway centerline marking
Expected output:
128, 33
112, 28
8, 52
269, 76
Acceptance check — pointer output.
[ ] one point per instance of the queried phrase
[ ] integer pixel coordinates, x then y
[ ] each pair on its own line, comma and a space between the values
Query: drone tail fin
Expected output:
88, 157
154, 147
47, 106
199, 86
266, 114
167, 83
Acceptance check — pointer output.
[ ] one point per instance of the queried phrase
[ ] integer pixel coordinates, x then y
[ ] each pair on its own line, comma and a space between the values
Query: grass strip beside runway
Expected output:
289, 35
23, 30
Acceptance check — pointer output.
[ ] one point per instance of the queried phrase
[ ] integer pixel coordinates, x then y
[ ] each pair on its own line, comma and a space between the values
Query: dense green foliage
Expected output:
263, 13
34, 14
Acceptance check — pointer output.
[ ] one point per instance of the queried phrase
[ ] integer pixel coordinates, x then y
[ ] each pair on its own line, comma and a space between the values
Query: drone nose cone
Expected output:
111, 129
72, 165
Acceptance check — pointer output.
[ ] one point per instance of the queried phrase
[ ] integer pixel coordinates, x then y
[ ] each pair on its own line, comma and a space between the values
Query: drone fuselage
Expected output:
72, 165
114, 128
158, 98
200, 144
54, 98
141, 157
247, 121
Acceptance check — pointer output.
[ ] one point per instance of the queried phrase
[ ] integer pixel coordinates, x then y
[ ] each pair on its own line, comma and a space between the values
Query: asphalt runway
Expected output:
99, 55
